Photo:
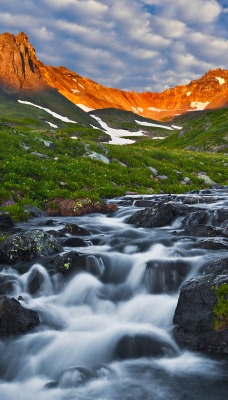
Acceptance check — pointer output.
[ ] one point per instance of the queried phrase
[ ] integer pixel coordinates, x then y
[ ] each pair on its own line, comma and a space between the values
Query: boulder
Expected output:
213, 244
199, 324
34, 211
162, 276
14, 318
74, 229
142, 345
6, 221
75, 262
202, 230
196, 218
77, 207
28, 245
158, 215
217, 267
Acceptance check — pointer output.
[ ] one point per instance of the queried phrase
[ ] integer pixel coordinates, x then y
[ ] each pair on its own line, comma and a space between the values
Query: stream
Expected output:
81, 351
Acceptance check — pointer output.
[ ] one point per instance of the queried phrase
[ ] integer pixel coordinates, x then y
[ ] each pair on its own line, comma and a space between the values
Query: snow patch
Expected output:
154, 125
188, 94
117, 133
51, 124
137, 109
81, 86
176, 127
159, 137
74, 137
58, 116
220, 80
75, 80
199, 105
155, 109
85, 108
75, 90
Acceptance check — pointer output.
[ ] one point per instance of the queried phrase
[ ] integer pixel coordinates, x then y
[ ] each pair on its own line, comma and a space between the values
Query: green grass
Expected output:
202, 131
68, 173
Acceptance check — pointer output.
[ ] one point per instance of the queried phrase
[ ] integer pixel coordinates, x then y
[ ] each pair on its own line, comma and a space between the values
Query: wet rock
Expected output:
162, 276
75, 262
213, 244
196, 218
143, 203
35, 281
28, 245
141, 345
217, 267
220, 216
194, 315
14, 318
192, 200
6, 221
208, 181
74, 229
71, 377
159, 215
75, 376
202, 230
75, 242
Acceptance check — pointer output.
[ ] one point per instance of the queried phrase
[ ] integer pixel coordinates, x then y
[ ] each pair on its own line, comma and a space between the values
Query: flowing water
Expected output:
73, 354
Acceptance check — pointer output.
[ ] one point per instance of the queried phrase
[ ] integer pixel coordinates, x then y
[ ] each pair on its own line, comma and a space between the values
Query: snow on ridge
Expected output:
155, 109
117, 133
220, 80
51, 124
54, 114
137, 109
176, 127
198, 105
84, 108
154, 125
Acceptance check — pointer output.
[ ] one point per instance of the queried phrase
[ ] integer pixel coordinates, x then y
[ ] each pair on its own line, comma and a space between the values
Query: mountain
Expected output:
23, 75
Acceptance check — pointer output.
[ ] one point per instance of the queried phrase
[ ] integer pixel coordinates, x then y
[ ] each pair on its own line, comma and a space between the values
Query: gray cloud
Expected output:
130, 44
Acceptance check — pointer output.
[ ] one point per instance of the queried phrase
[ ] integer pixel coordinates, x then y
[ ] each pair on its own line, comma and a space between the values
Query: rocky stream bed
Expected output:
131, 304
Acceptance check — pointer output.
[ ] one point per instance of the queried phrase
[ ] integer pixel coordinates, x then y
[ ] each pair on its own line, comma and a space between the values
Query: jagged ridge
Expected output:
21, 71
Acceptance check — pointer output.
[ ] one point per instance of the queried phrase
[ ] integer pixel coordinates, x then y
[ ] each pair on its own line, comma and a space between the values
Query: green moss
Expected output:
221, 308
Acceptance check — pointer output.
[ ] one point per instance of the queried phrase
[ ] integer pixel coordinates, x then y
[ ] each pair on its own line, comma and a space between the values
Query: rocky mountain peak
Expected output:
19, 66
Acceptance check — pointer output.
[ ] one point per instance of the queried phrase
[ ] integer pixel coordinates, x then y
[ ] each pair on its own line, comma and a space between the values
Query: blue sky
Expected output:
141, 45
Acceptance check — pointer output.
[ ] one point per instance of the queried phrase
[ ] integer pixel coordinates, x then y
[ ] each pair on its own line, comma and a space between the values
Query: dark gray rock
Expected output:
217, 267
6, 221
73, 262
202, 230
75, 242
14, 318
28, 245
162, 276
74, 229
157, 216
194, 317
142, 345
213, 244
34, 211
196, 218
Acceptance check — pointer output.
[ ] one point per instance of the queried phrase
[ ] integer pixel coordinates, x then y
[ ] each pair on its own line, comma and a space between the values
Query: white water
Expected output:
83, 318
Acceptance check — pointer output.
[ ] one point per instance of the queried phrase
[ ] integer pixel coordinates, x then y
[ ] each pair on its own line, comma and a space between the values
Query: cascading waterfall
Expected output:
90, 322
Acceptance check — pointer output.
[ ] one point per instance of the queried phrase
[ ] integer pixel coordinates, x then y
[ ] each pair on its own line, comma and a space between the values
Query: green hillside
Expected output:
39, 163
202, 131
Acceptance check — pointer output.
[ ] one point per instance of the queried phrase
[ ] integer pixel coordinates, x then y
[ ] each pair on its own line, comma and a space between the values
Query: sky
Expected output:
140, 45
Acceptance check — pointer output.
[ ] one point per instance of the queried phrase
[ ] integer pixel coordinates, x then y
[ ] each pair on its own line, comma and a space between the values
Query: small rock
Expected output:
14, 318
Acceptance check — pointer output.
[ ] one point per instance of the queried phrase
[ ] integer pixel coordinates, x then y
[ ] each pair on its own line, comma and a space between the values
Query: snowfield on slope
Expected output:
170, 128
54, 114
116, 134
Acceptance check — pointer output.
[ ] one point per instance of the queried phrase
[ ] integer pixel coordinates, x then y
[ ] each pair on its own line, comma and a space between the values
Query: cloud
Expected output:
130, 44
